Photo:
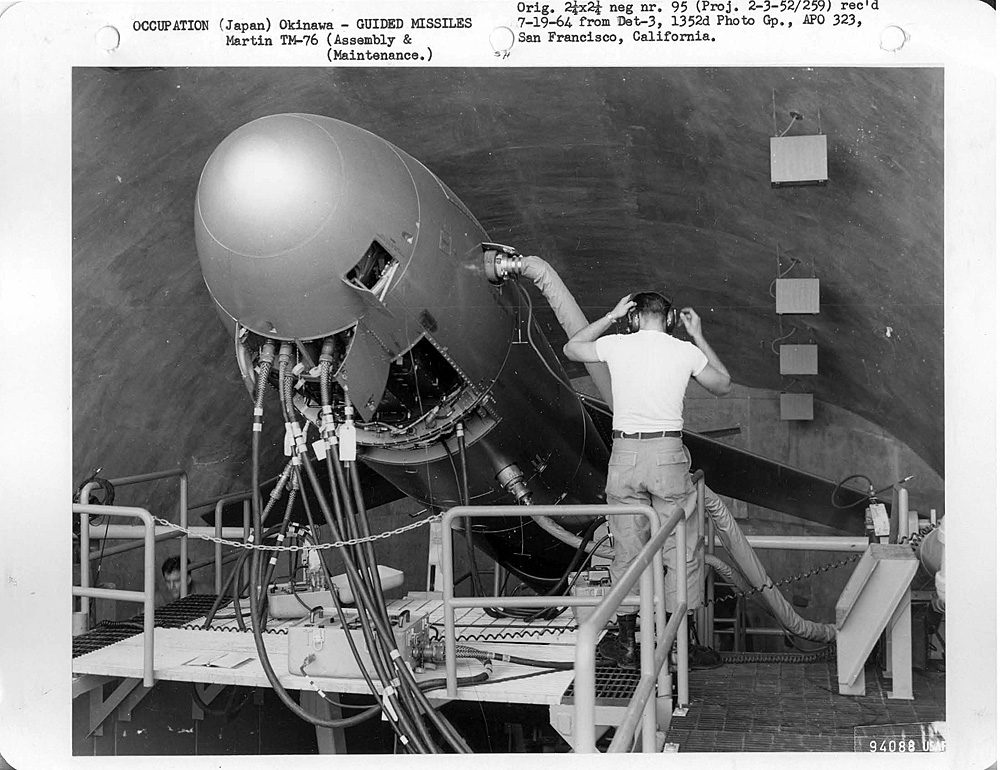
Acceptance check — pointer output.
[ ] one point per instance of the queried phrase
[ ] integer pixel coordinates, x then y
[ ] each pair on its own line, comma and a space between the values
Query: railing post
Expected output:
702, 616
148, 588
218, 548
85, 560
448, 593
646, 654
183, 516
680, 534
902, 510
710, 587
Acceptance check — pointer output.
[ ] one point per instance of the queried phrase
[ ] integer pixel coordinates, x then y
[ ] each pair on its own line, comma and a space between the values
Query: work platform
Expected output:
749, 706
179, 639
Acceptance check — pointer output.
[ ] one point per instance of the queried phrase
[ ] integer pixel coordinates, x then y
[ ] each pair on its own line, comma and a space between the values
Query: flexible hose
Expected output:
743, 554
464, 651
568, 313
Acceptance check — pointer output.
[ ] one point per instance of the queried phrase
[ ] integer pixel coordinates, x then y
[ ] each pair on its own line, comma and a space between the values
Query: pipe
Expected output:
806, 543
148, 593
134, 532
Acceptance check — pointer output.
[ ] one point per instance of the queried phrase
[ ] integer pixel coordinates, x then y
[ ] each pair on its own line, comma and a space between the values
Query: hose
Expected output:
743, 554
568, 313
464, 651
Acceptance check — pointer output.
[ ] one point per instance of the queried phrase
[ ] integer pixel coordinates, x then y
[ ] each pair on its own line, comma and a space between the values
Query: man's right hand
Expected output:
625, 304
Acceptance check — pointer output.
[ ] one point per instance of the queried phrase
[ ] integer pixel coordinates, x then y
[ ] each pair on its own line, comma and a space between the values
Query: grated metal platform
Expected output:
173, 615
796, 707
613, 686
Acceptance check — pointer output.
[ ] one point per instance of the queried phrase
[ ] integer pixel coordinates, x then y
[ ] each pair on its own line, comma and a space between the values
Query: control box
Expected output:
320, 647
288, 601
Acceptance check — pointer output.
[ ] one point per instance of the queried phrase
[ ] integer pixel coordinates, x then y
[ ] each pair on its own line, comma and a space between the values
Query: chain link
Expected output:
293, 548
787, 580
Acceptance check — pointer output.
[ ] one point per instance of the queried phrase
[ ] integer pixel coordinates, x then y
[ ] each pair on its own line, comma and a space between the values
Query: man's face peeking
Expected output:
173, 580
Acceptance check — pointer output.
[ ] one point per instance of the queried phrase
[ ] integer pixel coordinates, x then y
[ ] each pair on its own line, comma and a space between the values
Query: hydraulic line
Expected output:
254, 620
464, 651
273, 560
369, 622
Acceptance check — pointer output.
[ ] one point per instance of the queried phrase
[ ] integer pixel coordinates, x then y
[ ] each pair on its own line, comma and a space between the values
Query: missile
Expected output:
309, 229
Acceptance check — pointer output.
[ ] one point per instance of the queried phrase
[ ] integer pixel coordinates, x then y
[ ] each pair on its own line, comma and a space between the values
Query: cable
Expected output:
464, 651
779, 339
795, 261
836, 489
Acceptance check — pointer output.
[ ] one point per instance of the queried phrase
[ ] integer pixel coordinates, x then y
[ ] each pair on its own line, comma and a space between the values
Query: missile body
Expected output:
308, 229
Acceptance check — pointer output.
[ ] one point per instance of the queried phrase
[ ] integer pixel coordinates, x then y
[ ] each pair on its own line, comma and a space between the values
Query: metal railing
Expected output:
127, 532
656, 636
148, 593
125, 481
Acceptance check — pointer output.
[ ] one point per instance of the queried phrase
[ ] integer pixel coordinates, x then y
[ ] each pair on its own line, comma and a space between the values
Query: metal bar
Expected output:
135, 532
218, 547
448, 567
182, 505
231, 556
803, 543
646, 654
229, 497
710, 588
584, 688
753, 631
702, 612
624, 732
84, 556
131, 546
149, 575
537, 601
109, 593
125, 481
902, 512
682, 602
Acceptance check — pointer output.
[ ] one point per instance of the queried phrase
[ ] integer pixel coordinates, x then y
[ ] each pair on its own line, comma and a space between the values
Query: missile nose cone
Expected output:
270, 186
287, 207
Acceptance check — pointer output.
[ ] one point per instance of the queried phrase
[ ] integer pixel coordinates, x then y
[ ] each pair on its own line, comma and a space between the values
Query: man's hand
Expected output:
692, 322
581, 346
625, 304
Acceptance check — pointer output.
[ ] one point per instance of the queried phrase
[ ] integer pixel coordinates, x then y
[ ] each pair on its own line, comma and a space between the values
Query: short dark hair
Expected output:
652, 303
170, 564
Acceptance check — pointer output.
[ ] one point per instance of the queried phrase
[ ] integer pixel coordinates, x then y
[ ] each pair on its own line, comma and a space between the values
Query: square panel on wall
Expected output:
798, 160
799, 359
796, 295
796, 406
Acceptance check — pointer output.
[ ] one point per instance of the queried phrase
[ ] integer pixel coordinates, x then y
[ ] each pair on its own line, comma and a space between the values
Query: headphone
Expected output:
632, 319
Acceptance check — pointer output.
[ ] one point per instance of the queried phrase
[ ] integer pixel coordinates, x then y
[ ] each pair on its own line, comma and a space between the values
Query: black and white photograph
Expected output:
390, 394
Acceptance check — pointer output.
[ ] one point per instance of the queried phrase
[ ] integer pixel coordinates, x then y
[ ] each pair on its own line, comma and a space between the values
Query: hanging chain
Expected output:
307, 547
787, 580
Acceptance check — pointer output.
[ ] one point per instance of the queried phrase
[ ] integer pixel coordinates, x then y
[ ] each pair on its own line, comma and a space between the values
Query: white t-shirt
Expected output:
650, 371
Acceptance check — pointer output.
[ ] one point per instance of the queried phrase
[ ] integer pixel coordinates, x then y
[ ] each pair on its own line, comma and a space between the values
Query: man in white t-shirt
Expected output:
650, 370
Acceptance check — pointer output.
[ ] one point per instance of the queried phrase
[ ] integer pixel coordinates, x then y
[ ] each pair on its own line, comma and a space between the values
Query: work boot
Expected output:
699, 656
621, 648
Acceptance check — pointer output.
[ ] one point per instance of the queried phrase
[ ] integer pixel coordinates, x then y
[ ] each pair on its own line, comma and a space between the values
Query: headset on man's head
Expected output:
632, 319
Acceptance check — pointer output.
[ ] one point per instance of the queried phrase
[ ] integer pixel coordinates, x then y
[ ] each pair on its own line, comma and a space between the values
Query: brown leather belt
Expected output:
656, 434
